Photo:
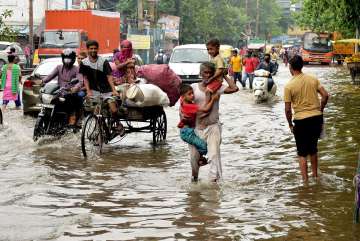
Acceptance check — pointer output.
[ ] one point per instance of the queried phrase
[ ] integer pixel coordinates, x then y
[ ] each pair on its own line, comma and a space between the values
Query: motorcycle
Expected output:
264, 86
53, 118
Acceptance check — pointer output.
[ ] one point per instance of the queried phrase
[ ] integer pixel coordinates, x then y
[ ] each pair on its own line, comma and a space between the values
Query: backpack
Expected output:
160, 59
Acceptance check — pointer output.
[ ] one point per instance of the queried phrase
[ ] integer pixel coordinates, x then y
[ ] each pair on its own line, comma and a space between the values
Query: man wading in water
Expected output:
208, 128
301, 95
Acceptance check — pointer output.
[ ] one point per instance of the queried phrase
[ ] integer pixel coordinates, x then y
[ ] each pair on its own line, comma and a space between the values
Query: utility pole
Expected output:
140, 14
177, 7
257, 17
152, 12
31, 26
246, 7
66, 5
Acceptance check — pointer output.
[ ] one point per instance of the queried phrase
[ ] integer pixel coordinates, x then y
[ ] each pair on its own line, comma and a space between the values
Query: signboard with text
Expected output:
171, 25
139, 41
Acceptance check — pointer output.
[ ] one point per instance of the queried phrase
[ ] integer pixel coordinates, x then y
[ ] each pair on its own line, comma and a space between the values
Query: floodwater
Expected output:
137, 192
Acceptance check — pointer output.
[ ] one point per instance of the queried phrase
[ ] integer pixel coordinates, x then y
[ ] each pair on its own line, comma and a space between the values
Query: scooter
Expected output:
53, 118
264, 86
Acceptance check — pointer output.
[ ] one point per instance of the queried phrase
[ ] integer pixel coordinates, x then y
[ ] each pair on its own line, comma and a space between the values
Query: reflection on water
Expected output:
137, 192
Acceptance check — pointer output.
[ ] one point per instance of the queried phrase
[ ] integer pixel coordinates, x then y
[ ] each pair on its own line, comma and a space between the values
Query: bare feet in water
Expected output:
202, 161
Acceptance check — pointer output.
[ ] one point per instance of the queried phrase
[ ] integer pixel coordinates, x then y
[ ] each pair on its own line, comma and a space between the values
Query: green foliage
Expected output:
330, 15
128, 8
223, 19
6, 32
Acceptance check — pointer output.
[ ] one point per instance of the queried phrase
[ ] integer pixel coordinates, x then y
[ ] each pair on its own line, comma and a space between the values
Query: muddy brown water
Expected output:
136, 192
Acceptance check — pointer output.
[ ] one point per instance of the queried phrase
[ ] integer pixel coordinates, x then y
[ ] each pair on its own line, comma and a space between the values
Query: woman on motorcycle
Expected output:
65, 73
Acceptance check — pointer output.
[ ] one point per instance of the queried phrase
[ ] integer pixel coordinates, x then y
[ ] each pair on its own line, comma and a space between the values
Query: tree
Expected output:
223, 19
7, 33
330, 15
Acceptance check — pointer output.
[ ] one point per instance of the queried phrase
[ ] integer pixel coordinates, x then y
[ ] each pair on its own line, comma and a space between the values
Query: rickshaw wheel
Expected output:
159, 127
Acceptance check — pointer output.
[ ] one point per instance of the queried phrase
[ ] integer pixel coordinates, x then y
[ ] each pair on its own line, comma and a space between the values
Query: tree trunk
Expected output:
257, 18
177, 7
140, 14
357, 37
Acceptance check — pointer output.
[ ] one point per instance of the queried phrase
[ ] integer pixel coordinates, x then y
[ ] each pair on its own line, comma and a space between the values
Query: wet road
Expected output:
134, 192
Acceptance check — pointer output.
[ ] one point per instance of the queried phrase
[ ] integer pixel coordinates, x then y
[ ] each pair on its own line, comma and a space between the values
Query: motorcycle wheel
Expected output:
91, 136
1, 117
39, 129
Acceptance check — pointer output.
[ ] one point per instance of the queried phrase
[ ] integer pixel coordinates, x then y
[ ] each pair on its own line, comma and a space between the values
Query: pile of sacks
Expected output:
160, 86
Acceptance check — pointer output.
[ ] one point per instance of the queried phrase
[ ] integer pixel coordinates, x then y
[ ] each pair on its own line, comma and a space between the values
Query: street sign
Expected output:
139, 41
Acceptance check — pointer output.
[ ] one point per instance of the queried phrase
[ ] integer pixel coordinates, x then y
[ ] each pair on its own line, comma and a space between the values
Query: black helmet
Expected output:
68, 57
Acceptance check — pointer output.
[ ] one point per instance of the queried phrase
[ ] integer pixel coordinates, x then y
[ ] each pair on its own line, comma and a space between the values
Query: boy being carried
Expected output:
214, 83
188, 112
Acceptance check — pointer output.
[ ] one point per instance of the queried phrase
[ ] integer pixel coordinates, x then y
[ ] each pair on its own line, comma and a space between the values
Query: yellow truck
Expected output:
342, 49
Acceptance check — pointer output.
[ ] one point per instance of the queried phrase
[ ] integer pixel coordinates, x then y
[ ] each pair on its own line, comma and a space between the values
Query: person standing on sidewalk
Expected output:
301, 94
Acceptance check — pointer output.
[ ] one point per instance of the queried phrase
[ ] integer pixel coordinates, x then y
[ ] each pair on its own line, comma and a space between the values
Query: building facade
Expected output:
20, 11
285, 6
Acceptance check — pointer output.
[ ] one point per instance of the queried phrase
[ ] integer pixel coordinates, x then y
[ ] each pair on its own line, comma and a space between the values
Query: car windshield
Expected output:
317, 42
46, 68
56, 39
3, 46
190, 55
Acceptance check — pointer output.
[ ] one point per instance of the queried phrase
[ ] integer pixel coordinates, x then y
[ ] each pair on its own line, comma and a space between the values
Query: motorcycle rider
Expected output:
160, 57
268, 66
65, 72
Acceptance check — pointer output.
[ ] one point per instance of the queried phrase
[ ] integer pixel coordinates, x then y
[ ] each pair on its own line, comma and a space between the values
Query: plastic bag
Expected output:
163, 77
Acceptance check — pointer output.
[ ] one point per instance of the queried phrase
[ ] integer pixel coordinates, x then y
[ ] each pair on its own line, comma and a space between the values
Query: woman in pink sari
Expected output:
10, 80
125, 63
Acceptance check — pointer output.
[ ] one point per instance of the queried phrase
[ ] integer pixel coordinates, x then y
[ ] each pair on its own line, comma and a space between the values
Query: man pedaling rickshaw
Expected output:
65, 72
98, 81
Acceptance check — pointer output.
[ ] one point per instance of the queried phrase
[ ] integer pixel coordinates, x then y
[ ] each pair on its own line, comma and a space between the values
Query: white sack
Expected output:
142, 95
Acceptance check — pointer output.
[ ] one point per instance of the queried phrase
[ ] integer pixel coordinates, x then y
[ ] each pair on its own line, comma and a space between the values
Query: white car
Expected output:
186, 59
5, 49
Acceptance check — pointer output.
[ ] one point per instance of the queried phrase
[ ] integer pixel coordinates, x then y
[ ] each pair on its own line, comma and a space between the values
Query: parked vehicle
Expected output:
72, 28
53, 118
186, 59
317, 48
225, 52
342, 48
32, 85
5, 49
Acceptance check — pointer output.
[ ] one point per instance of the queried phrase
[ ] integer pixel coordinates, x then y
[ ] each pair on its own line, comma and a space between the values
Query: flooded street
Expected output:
137, 192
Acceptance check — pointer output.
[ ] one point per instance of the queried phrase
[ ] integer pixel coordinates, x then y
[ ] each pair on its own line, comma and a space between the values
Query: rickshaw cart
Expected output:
99, 127
154, 116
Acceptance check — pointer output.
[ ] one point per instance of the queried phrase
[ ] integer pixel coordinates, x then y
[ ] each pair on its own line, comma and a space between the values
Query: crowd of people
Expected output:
199, 102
